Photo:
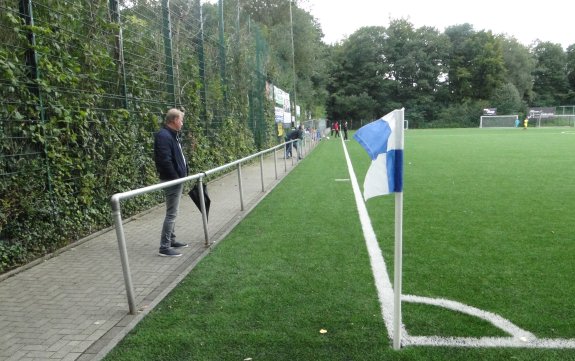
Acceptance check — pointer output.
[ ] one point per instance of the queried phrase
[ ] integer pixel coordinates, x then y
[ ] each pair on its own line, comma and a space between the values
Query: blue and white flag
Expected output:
383, 141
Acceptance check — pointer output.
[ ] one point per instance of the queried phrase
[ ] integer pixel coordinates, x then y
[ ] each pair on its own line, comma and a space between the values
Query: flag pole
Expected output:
385, 176
397, 270
398, 257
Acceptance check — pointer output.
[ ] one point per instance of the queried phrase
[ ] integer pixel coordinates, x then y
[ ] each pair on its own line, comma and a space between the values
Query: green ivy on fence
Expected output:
77, 126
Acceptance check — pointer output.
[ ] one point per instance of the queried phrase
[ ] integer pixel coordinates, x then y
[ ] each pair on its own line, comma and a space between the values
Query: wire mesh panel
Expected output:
24, 181
83, 87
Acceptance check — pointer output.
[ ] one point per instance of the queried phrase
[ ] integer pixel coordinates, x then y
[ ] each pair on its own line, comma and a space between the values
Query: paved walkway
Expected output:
73, 306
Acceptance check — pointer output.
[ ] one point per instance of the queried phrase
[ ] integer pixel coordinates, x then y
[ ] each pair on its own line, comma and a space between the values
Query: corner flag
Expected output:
383, 141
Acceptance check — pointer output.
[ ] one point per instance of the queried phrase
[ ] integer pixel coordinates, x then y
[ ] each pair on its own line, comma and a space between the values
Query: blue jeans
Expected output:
173, 196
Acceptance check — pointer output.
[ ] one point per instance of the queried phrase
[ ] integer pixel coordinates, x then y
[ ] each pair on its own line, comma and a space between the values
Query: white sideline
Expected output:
519, 337
381, 278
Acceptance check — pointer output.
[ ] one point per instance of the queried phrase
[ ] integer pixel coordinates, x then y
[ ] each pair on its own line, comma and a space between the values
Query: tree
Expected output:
507, 99
520, 64
308, 50
459, 62
571, 74
378, 69
476, 65
268, 13
488, 64
309, 56
415, 58
357, 78
550, 74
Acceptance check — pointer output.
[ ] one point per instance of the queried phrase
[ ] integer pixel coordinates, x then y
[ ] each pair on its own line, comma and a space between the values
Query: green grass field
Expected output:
487, 222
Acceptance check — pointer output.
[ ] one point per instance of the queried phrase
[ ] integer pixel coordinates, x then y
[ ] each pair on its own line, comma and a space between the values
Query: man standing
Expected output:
293, 135
170, 164
287, 138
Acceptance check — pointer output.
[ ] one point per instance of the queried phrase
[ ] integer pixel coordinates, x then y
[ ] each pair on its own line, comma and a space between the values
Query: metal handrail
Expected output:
118, 197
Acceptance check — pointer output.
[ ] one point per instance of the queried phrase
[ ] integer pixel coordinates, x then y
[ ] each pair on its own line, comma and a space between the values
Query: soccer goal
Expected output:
498, 121
558, 121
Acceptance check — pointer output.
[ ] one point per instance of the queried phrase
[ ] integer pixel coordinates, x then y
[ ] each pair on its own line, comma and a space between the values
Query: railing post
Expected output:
285, 159
204, 213
240, 186
117, 215
262, 171
276, 162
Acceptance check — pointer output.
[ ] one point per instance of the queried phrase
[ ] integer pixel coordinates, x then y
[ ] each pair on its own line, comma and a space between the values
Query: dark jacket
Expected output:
294, 134
170, 161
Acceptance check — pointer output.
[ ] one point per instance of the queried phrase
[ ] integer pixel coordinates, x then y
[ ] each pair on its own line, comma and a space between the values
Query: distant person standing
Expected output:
171, 164
525, 123
293, 135
336, 128
288, 145
345, 130
517, 122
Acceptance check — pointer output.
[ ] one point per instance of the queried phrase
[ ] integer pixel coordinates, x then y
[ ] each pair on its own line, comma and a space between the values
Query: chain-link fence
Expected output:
83, 86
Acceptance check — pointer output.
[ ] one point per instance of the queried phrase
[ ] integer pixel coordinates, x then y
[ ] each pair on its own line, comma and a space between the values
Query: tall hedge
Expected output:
80, 128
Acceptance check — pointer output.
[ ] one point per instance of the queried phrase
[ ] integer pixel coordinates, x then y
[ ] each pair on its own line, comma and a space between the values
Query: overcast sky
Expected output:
550, 20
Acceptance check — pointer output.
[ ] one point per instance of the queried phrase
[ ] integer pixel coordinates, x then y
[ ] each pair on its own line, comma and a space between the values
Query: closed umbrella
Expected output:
195, 195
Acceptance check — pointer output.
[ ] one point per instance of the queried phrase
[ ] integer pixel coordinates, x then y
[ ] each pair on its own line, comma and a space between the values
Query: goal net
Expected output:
557, 121
491, 121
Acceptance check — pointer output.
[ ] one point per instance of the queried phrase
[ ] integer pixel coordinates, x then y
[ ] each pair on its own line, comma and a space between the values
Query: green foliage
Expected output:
476, 63
308, 52
443, 79
507, 100
550, 75
570, 97
80, 128
571, 66
463, 115
69, 148
358, 79
520, 64
11, 253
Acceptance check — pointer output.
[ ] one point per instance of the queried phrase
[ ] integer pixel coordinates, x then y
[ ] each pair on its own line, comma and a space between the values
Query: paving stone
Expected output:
76, 301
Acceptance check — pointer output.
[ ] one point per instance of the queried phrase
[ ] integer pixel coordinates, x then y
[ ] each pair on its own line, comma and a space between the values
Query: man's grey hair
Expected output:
172, 115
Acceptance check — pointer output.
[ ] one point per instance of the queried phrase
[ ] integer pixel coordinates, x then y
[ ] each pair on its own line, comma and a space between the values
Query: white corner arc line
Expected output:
490, 317
519, 337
